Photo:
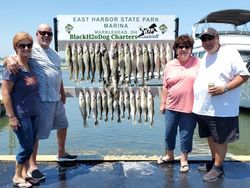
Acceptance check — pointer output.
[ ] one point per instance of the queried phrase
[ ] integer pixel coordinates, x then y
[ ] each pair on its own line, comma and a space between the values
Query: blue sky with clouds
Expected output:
26, 15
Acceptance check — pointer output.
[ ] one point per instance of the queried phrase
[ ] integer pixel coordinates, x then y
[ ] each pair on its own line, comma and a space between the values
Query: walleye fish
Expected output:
117, 107
88, 102
121, 103
92, 61
94, 106
157, 60
128, 64
132, 106
163, 56
98, 61
138, 104
121, 62
126, 101
86, 60
144, 106
105, 104
146, 65
114, 65
169, 53
139, 62
80, 60
105, 65
99, 104
151, 59
75, 61
133, 61
150, 104
69, 61
110, 103
82, 106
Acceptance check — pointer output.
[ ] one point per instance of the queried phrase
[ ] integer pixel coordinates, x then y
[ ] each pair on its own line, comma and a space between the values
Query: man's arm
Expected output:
236, 82
11, 63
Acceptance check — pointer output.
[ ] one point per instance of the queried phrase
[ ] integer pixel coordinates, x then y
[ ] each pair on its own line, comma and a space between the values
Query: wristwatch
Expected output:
225, 89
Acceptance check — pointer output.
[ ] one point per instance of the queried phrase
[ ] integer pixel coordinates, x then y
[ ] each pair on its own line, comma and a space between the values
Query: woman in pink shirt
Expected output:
177, 100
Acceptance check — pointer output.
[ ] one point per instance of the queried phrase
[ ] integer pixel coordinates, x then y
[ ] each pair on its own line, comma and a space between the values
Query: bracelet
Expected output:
226, 89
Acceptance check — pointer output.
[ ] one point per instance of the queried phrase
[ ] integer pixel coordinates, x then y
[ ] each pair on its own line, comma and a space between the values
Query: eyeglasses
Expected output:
184, 46
44, 33
24, 45
205, 38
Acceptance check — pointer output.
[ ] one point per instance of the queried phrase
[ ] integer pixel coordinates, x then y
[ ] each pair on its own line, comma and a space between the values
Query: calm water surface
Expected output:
112, 138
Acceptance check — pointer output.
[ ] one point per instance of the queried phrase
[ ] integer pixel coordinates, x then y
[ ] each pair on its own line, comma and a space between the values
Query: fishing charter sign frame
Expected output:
107, 28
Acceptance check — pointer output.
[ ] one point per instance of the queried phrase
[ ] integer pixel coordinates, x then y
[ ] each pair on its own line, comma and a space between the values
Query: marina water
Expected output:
112, 138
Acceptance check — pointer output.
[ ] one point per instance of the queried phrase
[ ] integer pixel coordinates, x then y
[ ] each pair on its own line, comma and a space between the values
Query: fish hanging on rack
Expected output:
157, 60
132, 106
139, 62
121, 63
150, 106
105, 65
151, 59
68, 59
86, 60
80, 60
92, 61
82, 106
128, 64
114, 65
75, 61
133, 62
98, 61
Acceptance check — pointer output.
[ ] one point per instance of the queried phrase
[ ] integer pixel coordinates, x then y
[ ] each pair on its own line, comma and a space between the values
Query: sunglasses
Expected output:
44, 33
205, 38
24, 45
184, 46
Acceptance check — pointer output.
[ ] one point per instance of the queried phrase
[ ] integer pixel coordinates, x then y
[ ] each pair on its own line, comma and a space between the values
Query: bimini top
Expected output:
231, 16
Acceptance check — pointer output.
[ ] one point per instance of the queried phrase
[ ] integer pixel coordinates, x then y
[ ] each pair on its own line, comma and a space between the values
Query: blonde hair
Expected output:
21, 36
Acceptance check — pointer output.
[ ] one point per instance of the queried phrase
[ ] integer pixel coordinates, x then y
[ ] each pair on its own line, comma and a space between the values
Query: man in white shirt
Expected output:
217, 98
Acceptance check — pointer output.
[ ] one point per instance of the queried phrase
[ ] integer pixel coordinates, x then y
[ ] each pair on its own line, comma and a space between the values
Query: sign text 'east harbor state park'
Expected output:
115, 27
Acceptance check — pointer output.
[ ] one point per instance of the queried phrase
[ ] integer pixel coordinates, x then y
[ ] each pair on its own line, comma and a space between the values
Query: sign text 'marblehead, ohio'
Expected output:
115, 27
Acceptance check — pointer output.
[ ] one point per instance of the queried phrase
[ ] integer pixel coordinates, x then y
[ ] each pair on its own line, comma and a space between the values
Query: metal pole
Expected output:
55, 34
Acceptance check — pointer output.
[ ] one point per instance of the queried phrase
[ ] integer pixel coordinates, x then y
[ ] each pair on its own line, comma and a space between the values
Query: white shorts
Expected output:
52, 116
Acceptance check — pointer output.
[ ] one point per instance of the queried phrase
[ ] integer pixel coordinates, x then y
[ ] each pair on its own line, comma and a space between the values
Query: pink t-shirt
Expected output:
179, 80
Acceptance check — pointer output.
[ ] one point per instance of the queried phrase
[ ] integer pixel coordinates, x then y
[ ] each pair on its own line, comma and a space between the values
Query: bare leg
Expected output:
18, 173
25, 168
32, 160
169, 155
184, 159
211, 144
61, 139
220, 153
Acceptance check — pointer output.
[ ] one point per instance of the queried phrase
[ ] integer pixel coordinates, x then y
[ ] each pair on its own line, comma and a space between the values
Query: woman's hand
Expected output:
14, 123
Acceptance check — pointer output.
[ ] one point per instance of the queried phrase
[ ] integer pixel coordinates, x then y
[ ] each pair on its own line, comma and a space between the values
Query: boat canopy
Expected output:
231, 16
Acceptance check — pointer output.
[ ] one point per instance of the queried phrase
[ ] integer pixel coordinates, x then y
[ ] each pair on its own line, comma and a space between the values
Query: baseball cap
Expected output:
209, 31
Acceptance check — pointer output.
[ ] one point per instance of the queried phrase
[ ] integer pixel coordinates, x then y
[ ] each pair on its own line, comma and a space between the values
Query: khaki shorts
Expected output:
52, 116
222, 129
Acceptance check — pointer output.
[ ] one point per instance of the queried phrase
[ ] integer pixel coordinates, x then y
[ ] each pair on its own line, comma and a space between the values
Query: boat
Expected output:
233, 28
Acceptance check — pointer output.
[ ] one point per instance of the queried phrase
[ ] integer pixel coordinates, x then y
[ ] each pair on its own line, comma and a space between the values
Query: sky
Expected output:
26, 15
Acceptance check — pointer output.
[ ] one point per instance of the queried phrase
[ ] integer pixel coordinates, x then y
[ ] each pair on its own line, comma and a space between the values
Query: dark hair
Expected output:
183, 39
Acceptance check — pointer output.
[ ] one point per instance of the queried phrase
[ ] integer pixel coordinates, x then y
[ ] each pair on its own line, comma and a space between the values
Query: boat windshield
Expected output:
245, 56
